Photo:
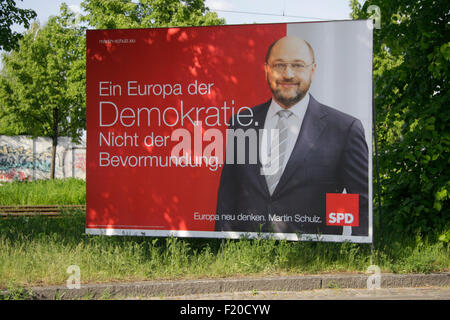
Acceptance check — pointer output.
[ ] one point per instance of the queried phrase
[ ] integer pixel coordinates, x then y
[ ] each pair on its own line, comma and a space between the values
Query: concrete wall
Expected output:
23, 158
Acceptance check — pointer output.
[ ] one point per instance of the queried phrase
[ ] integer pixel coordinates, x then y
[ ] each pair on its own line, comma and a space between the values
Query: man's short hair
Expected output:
269, 50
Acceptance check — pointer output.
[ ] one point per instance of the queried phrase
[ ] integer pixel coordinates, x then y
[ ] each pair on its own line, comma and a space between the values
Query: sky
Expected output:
234, 11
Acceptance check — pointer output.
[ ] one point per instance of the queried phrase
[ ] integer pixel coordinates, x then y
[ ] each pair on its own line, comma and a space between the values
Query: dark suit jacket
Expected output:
330, 154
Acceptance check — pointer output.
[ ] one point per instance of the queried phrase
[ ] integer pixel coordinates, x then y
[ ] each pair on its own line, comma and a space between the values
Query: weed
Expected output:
333, 285
106, 295
16, 293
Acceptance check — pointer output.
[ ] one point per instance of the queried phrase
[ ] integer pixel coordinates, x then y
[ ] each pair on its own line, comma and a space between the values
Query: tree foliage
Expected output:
116, 14
10, 15
42, 84
411, 81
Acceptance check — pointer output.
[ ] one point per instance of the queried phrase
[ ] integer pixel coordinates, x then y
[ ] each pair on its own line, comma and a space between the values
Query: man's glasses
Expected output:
295, 66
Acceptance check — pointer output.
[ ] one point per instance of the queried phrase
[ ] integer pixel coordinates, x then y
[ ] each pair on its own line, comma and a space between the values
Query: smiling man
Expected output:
289, 70
316, 150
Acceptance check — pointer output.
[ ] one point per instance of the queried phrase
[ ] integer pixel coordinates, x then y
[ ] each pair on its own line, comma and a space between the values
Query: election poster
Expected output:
261, 130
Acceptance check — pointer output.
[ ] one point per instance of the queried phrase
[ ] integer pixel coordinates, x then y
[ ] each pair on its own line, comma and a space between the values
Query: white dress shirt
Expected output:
294, 124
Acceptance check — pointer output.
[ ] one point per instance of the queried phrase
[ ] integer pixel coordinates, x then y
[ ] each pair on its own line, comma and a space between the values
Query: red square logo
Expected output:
342, 209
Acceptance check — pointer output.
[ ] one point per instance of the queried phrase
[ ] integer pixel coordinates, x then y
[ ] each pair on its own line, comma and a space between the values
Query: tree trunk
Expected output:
54, 143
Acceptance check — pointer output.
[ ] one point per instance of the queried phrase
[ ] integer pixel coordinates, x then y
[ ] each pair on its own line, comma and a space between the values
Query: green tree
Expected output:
411, 81
10, 15
116, 14
42, 82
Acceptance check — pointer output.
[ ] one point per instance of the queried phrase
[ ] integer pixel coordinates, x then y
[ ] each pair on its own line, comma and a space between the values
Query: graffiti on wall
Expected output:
14, 175
20, 157
18, 163
80, 161
23, 159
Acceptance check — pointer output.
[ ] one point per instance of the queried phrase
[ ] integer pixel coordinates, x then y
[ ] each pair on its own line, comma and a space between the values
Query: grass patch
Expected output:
38, 250
43, 192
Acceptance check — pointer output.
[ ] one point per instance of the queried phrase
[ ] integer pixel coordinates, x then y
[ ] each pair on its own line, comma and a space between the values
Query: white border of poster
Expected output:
343, 80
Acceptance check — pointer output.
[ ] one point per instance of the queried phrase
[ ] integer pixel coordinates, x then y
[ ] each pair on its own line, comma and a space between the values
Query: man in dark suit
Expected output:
316, 150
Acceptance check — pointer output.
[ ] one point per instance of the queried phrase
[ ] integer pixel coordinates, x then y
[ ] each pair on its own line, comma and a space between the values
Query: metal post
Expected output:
380, 218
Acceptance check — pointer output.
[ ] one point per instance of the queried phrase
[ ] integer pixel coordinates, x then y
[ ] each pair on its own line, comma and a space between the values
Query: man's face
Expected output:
289, 71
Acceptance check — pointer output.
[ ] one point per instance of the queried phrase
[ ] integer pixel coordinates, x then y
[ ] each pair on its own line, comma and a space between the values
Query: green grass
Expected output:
43, 192
38, 250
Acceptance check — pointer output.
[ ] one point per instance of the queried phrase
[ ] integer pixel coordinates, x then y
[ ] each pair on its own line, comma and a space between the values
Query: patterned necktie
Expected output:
278, 149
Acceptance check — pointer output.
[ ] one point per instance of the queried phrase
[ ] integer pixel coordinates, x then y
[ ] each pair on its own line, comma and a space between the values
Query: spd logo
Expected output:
342, 209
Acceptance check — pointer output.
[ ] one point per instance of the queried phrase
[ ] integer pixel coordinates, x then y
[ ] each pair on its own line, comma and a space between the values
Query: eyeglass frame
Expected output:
286, 64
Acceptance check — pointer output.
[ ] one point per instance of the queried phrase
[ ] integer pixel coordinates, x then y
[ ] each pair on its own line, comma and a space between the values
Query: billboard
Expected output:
226, 131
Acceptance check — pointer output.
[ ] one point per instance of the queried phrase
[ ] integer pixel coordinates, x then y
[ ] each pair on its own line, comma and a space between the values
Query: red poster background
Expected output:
155, 198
